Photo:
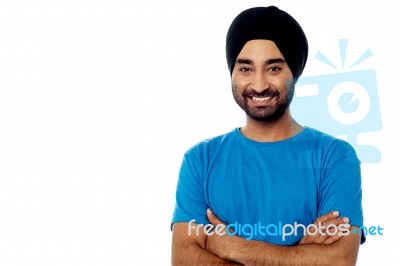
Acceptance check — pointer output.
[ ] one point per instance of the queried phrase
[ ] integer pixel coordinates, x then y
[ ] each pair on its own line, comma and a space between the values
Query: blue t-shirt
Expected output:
262, 188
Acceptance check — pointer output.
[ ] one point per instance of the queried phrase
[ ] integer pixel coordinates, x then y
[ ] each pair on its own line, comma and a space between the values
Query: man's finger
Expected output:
327, 217
213, 218
336, 221
332, 239
329, 223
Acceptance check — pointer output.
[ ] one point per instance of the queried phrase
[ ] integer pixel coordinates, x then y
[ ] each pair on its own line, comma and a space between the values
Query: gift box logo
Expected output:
341, 104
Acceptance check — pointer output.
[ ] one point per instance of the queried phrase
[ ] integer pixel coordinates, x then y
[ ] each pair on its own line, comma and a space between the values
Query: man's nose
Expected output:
260, 82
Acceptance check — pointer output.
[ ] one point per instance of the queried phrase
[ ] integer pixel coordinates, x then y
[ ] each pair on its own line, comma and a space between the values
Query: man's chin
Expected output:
265, 117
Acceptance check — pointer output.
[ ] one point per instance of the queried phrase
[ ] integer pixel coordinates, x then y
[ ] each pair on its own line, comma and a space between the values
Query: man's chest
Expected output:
262, 192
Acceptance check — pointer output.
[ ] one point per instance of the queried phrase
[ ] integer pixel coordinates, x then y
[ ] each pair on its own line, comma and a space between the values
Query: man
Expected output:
277, 193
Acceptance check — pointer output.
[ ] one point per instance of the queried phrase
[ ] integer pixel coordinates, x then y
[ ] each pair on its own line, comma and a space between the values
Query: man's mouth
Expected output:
260, 99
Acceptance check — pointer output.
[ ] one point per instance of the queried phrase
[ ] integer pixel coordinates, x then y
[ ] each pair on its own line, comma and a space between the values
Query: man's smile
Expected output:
261, 99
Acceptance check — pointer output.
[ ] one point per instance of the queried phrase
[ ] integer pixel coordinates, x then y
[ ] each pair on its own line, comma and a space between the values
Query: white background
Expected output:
100, 99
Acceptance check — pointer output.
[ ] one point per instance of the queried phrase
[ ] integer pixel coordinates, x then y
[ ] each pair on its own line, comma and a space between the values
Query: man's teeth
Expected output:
260, 99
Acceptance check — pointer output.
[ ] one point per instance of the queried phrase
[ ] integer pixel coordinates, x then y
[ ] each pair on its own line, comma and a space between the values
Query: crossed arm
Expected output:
191, 250
233, 250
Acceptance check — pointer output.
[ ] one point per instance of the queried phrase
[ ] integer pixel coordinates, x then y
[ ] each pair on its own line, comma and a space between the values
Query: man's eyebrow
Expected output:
267, 62
244, 61
275, 60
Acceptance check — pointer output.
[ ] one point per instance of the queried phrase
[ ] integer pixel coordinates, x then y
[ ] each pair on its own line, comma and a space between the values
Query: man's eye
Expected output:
244, 69
274, 69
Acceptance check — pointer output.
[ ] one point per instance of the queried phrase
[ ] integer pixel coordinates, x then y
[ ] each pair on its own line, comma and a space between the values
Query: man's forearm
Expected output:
261, 253
196, 255
190, 248
340, 251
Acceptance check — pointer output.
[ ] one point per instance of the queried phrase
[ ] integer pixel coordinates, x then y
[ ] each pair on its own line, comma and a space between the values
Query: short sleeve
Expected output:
340, 188
190, 196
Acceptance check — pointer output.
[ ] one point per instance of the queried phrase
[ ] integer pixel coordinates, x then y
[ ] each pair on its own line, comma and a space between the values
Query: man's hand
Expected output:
332, 220
219, 242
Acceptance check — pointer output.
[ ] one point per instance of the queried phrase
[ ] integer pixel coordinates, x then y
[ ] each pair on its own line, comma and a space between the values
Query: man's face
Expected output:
262, 83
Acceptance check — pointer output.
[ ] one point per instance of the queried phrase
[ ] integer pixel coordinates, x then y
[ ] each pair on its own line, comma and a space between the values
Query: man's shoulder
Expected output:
211, 144
331, 144
326, 137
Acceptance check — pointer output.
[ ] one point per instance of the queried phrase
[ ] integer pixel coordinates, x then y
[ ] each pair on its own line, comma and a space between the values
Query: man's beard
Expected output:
265, 114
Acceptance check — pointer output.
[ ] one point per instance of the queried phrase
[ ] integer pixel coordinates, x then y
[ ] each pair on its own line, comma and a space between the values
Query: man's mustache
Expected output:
265, 93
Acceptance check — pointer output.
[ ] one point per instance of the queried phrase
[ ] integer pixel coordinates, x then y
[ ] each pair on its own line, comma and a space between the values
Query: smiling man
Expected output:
290, 194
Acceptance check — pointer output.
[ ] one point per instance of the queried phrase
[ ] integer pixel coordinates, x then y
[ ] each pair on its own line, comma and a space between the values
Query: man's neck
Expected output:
284, 128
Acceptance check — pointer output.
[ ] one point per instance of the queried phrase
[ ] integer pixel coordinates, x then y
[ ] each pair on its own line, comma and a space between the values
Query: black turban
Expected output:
268, 23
